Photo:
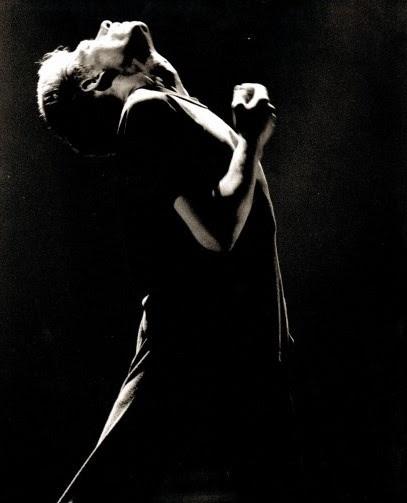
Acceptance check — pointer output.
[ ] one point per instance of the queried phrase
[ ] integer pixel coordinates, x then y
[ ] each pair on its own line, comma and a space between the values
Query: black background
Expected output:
336, 71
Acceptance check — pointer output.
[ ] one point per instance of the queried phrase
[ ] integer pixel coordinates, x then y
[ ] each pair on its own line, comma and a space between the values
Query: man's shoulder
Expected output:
147, 100
146, 110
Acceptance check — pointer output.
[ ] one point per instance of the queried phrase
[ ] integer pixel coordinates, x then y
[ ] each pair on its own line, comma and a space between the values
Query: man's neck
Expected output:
163, 75
123, 85
154, 76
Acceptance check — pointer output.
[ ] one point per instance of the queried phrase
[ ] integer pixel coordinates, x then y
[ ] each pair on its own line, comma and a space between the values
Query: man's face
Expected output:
117, 46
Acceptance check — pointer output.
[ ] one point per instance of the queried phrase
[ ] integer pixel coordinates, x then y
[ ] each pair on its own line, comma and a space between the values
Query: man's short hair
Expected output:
87, 122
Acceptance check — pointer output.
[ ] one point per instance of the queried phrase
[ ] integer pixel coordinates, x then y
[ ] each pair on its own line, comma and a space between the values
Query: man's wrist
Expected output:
251, 147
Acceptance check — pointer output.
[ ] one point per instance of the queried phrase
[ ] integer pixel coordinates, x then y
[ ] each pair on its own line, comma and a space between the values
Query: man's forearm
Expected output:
242, 169
236, 189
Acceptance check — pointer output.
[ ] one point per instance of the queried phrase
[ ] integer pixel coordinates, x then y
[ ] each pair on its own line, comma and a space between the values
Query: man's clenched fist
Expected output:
253, 115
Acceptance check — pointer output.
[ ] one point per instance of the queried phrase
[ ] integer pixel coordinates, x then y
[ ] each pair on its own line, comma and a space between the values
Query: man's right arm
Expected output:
217, 221
214, 215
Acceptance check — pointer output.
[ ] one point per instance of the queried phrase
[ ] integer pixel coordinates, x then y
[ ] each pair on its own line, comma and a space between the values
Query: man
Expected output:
204, 393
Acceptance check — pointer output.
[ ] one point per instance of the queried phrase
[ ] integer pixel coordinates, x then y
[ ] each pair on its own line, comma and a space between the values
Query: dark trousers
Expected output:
178, 433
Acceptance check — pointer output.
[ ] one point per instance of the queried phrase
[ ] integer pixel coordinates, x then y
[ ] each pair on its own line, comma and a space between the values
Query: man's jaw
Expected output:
139, 47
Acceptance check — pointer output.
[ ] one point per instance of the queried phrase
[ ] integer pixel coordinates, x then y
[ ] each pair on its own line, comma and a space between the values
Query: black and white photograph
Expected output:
203, 260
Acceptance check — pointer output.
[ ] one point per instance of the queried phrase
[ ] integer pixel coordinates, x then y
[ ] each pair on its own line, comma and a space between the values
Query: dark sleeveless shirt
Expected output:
170, 146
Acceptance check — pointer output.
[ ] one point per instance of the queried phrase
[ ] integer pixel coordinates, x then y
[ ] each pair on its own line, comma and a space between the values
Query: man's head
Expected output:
81, 93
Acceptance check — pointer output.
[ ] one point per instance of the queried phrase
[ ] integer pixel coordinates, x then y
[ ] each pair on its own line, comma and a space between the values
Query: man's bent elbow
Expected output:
227, 242
218, 245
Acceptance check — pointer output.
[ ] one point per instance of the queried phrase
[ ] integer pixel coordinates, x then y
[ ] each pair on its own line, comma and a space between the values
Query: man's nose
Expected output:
104, 28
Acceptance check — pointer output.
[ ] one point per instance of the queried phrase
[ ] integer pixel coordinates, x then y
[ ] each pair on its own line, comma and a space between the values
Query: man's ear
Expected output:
99, 82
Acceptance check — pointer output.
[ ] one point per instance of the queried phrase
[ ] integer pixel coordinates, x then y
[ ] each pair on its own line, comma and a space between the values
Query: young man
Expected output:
204, 393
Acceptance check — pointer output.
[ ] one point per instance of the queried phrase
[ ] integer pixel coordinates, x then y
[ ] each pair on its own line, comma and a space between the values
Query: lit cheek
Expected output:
111, 57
